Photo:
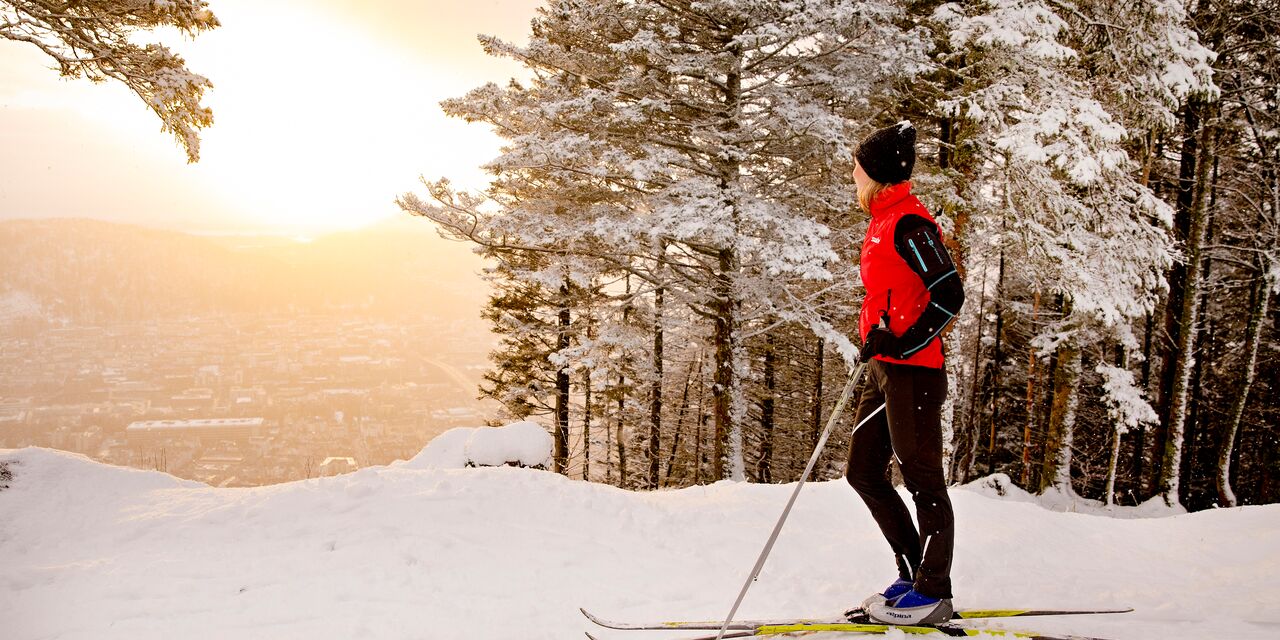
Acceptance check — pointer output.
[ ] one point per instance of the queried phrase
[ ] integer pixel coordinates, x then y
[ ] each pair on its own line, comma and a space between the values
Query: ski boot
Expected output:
911, 609
890, 595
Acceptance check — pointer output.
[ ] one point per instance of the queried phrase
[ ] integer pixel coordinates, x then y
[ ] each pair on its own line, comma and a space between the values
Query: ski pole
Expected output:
813, 459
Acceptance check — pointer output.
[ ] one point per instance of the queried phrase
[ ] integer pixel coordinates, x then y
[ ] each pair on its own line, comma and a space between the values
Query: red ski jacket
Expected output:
908, 274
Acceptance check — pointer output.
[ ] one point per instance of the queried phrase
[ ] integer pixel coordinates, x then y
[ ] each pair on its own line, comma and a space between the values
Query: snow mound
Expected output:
1000, 485
523, 444
76, 473
445, 451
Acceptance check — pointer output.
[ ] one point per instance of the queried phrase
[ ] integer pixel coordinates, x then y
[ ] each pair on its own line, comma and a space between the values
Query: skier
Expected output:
912, 293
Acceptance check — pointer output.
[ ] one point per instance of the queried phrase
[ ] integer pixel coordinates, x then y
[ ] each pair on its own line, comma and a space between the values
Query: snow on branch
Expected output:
1125, 402
94, 39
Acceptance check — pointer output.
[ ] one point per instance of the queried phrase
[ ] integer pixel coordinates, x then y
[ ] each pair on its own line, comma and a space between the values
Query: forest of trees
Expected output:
673, 231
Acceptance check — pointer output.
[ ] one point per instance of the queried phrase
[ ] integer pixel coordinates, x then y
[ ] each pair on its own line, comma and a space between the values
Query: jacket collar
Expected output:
889, 196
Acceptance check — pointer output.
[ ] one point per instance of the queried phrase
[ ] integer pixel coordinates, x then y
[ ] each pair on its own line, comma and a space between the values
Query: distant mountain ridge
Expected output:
85, 271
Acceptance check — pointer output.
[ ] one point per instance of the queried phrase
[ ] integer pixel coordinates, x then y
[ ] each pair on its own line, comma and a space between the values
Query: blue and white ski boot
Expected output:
890, 595
911, 609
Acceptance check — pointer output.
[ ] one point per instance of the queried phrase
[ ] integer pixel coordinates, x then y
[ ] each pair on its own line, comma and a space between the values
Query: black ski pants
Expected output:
910, 431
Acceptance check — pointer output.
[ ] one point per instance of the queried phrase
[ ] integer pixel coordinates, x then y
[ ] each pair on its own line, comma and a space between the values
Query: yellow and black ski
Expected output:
945, 629
855, 621
853, 617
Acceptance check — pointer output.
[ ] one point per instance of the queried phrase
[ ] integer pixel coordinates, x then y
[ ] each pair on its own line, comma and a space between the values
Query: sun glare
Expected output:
324, 135
318, 125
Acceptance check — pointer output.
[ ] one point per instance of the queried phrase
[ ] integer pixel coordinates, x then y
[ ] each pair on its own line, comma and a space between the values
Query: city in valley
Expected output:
239, 400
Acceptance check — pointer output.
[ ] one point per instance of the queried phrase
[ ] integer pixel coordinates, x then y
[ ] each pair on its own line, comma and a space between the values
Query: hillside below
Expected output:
88, 271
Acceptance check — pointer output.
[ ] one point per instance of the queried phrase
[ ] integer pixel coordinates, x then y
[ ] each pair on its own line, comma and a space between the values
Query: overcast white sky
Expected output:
324, 112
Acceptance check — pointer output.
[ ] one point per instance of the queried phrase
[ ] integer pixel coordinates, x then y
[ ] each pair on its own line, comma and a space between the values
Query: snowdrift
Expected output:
524, 443
95, 551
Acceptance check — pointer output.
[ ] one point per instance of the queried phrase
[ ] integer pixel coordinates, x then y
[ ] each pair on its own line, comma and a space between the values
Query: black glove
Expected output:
880, 342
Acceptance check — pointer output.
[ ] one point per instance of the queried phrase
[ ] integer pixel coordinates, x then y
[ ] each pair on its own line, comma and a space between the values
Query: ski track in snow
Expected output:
92, 551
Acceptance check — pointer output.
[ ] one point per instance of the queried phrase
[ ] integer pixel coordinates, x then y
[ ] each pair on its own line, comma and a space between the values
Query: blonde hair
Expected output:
868, 192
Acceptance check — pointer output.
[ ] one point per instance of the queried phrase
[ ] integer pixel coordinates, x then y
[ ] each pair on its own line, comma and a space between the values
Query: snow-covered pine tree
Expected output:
1188, 311
1127, 408
96, 39
1241, 257
711, 129
533, 302
517, 312
1041, 119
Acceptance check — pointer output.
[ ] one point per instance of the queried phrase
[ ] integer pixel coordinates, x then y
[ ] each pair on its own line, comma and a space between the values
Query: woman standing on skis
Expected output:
912, 293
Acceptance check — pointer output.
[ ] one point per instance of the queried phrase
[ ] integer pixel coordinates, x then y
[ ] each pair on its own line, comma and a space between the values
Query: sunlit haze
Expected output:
273, 292
324, 112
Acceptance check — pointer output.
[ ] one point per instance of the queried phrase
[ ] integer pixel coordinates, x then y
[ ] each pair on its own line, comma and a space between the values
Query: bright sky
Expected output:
324, 112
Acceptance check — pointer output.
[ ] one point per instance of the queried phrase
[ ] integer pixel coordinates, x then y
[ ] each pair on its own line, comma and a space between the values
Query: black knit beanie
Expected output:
889, 154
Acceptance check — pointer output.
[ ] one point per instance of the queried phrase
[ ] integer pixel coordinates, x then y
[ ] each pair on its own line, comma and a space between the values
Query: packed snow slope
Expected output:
91, 551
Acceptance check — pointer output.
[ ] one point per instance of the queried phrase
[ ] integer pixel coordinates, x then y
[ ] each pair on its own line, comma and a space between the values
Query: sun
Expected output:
318, 126
337, 128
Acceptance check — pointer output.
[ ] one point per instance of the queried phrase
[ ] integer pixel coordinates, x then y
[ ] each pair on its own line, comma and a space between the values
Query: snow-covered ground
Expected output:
94, 551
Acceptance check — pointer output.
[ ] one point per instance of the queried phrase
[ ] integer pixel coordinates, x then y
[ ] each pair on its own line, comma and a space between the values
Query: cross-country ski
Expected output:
857, 622
852, 616
804, 628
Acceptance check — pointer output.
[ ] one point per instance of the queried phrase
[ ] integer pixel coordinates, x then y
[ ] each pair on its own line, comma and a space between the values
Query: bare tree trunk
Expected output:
1114, 462
1197, 434
655, 401
697, 446
997, 358
1140, 437
1031, 402
621, 439
1188, 168
728, 462
763, 470
561, 458
946, 139
815, 425
1184, 358
963, 469
1111, 468
1149, 154
608, 444
690, 376
1056, 470
723, 385
586, 404
586, 426
1253, 334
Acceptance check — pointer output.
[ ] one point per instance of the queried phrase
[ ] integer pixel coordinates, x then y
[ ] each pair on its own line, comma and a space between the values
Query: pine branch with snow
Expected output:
94, 39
